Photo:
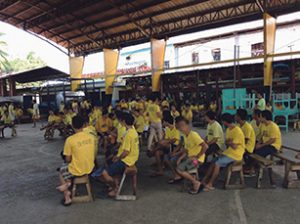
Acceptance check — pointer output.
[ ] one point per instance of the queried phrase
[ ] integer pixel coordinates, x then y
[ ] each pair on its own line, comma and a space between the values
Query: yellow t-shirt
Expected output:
115, 123
192, 144
165, 104
187, 114
237, 137
175, 114
81, 147
6, 119
92, 131
215, 130
255, 128
130, 144
213, 107
121, 132
54, 119
172, 134
103, 125
153, 110
140, 124
140, 106
271, 131
124, 105
250, 136
194, 108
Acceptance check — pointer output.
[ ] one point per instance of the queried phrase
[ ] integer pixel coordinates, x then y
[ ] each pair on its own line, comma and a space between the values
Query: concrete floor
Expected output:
28, 179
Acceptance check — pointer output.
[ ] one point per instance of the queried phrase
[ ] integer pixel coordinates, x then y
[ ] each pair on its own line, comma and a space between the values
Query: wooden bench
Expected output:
231, 168
83, 180
129, 171
263, 164
291, 164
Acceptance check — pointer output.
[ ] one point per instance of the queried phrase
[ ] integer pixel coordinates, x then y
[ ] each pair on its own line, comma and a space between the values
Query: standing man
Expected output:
261, 104
35, 113
155, 116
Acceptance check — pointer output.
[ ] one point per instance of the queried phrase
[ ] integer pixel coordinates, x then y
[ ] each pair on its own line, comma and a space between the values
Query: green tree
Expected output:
4, 64
30, 62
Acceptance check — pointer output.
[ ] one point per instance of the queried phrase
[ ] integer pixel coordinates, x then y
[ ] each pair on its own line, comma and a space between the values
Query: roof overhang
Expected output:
88, 26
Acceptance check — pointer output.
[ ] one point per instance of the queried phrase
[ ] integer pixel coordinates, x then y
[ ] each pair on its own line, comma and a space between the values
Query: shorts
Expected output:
64, 171
114, 169
223, 161
186, 165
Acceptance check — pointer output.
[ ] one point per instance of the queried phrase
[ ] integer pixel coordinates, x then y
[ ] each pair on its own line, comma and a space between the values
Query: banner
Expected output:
158, 49
76, 67
269, 44
111, 59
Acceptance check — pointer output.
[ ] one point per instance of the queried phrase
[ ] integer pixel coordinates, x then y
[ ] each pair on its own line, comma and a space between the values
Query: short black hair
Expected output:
257, 112
211, 115
169, 119
267, 115
104, 111
242, 113
180, 118
119, 114
129, 119
227, 118
77, 122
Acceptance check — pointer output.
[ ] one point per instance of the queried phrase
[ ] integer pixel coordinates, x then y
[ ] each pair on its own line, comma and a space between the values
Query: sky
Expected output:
20, 43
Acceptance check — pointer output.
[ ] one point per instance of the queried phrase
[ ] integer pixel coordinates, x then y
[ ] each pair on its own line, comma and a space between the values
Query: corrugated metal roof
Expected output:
87, 26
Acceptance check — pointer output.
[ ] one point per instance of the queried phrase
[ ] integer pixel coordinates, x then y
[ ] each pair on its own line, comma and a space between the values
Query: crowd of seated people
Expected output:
116, 131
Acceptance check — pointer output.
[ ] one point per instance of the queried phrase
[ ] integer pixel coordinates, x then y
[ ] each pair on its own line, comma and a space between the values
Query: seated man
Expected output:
53, 120
235, 142
79, 152
167, 144
249, 134
127, 156
192, 155
214, 134
270, 142
255, 123
118, 135
8, 122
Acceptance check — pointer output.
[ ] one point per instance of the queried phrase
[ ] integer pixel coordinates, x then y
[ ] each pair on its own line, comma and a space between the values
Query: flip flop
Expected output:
175, 181
207, 189
65, 204
200, 189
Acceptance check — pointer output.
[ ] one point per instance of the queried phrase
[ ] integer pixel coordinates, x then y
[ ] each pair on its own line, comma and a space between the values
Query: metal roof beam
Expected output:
132, 20
174, 8
58, 11
107, 18
245, 11
7, 4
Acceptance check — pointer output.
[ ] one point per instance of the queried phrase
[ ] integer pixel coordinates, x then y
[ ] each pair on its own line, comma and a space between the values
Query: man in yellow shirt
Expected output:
235, 142
167, 145
192, 155
174, 111
155, 116
187, 113
250, 139
270, 142
214, 134
255, 123
127, 156
79, 152
139, 121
